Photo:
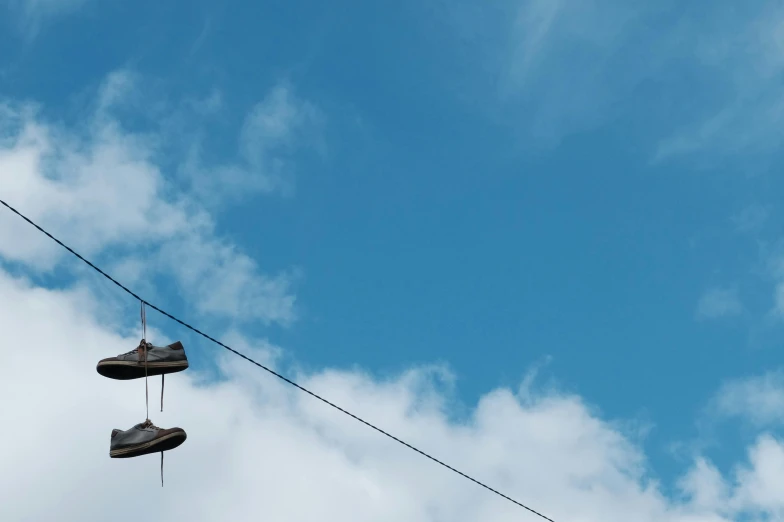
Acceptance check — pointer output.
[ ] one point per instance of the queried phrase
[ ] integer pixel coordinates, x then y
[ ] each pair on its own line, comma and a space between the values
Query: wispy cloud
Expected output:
565, 62
758, 399
774, 258
552, 68
558, 67
100, 187
741, 51
719, 303
32, 14
752, 218
276, 128
778, 299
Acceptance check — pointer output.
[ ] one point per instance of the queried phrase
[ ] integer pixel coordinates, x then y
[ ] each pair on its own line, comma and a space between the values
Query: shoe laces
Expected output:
144, 348
142, 344
149, 425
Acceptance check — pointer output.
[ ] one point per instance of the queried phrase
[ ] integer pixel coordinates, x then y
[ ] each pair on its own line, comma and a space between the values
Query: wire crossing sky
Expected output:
269, 370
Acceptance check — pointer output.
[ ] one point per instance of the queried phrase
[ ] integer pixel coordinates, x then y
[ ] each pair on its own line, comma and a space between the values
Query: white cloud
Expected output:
560, 64
761, 481
274, 129
550, 68
105, 183
752, 218
546, 32
116, 89
773, 257
31, 14
275, 120
705, 487
758, 399
744, 57
220, 280
557, 67
778, 298
718, 303
256, 443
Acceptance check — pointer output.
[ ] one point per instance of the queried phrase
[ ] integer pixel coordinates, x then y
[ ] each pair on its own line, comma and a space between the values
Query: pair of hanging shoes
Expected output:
144, 361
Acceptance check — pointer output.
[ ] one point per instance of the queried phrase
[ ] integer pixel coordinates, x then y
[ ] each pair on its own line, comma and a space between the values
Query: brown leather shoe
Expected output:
143, 439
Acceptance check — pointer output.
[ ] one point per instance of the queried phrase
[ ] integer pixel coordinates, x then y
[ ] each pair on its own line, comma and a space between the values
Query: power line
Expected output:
279, 376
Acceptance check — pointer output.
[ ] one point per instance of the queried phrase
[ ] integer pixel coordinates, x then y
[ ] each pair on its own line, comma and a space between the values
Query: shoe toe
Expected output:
172, 431
110, 368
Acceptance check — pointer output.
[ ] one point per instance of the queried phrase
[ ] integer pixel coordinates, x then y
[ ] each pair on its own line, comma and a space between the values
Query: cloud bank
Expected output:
256, 447
104, 183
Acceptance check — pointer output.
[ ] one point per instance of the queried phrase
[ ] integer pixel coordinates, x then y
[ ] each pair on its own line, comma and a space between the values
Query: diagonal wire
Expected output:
268, 370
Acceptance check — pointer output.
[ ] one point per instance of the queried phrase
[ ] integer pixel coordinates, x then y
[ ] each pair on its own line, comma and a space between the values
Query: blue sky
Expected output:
589, 189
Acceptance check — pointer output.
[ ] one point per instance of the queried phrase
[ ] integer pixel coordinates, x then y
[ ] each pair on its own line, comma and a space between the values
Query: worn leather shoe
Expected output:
143, 439
161, 360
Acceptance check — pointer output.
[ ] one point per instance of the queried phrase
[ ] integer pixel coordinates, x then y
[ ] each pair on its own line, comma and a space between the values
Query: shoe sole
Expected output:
165, 443
127, 370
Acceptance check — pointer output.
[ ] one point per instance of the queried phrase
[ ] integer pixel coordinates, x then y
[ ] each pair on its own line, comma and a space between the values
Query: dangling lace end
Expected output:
146, 390
161, 469
162, 384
